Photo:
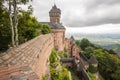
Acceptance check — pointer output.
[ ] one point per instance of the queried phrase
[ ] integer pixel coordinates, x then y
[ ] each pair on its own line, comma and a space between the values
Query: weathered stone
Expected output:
6, 56
28, 61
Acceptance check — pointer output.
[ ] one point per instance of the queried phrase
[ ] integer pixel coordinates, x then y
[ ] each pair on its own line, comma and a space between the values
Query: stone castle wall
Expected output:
59, 36
32, 55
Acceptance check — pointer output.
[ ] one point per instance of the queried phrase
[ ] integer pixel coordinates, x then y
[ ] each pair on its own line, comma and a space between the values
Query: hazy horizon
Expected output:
101, 29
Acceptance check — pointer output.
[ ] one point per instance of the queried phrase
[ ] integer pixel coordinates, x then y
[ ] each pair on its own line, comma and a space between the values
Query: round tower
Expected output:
55, 14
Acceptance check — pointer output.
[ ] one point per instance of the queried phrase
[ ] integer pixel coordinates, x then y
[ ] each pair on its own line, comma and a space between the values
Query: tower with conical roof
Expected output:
55, 14
57, 28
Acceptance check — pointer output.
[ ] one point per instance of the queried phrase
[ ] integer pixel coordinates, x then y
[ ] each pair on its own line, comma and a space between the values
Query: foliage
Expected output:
65, 73
92, 76
65, 50
88, 51
13, 11
53, 56
77, 42
46, 29
57, 71
74, 75
28, 27
92, 69
84, 43
44, 78
63, 55
5, 32
108, 64
114, 48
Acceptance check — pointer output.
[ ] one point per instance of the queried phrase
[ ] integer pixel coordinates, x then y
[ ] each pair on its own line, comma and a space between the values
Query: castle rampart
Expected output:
32, 55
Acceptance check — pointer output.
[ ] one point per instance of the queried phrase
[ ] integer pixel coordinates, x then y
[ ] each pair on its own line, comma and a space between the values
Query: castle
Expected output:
60, 42
29, 61
57, 28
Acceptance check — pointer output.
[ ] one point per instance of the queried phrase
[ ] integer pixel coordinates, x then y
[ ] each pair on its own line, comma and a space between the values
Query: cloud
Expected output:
101, 29
94, 12
97, 3
80, 13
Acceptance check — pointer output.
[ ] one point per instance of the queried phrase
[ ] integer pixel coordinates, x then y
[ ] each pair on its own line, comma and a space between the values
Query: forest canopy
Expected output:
108, 62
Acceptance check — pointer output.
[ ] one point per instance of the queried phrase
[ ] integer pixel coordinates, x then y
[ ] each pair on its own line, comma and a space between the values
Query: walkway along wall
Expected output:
28, 60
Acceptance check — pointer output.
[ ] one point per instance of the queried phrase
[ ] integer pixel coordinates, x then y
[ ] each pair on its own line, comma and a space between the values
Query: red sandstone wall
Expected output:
33, 54
59, 39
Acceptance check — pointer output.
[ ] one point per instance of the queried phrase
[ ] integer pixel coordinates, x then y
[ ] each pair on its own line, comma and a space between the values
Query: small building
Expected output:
72, 40
93, 61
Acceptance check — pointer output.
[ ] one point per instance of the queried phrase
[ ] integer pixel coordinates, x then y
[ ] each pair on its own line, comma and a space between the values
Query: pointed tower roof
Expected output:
55, 14
72, 40
93, 60
55, 10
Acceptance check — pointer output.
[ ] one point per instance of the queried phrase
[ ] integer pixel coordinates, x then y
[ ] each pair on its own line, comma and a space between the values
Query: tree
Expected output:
28, 27
84, 43
4, 28
46, 29
13, 17
57, 70
109, 65
88, 51
78, 42
92, 69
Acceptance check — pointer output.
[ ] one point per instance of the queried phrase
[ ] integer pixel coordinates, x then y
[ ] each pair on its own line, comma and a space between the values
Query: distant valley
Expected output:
108, 41
115, 47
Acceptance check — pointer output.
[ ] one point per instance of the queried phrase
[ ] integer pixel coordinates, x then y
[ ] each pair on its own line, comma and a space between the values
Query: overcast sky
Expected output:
83, 15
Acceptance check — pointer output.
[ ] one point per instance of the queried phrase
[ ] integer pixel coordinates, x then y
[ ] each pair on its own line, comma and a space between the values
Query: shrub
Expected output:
92, 69
84, 43
57, 71
53, 56
91, 76
46, 29
44, 78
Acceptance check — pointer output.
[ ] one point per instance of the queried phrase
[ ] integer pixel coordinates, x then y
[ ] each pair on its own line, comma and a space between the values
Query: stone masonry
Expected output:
57, 28
28, 61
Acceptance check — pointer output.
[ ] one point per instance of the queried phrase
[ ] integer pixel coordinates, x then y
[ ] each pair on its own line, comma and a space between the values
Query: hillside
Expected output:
108, 41
109, 63
100, 39
115, 47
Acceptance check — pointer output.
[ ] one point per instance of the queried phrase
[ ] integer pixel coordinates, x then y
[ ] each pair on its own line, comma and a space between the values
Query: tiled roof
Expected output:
54, 25
72, 40
65, 60
93, 60
55, 10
